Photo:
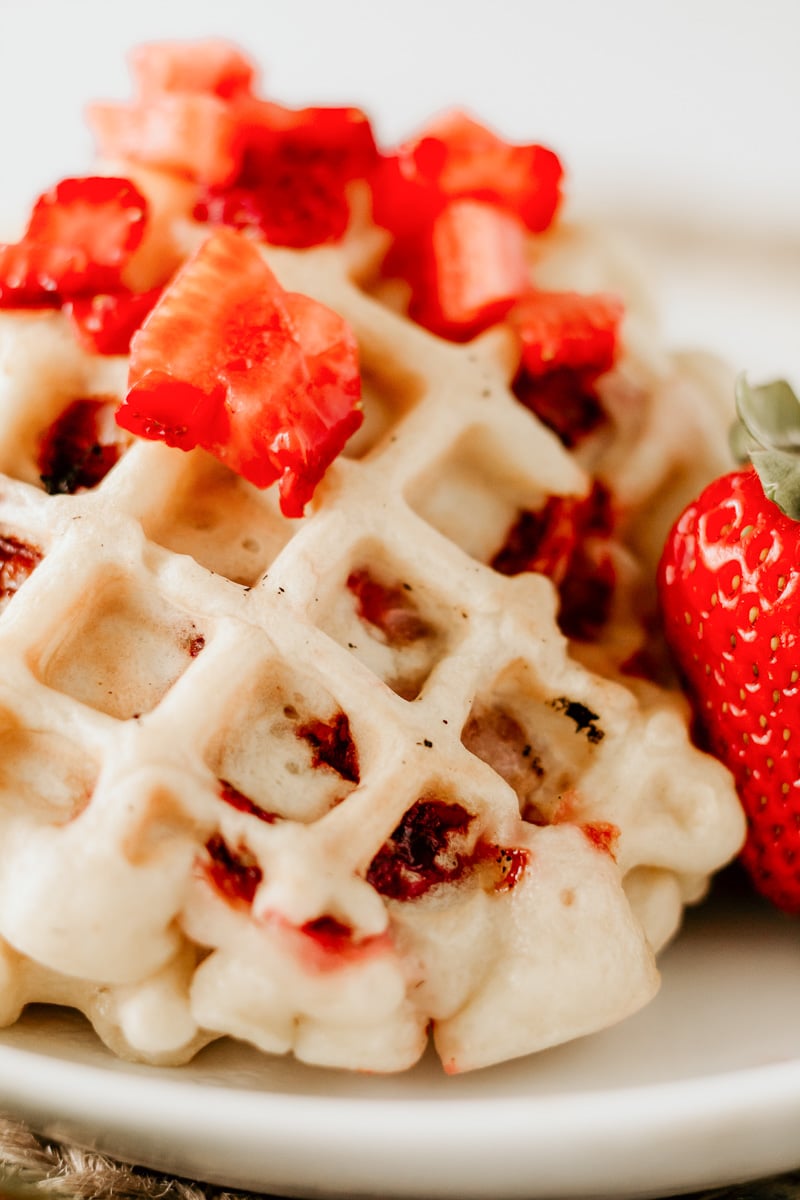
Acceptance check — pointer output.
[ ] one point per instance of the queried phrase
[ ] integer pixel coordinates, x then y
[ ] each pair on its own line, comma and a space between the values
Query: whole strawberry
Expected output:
729, 583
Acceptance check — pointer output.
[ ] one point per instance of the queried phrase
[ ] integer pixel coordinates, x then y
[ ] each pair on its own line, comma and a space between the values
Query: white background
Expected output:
676, 121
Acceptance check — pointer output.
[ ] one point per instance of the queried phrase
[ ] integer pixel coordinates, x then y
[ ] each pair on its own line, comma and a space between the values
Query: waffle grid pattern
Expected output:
186, 849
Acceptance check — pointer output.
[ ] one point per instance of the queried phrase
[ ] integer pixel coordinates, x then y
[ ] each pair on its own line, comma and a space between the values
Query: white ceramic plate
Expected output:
701, 1088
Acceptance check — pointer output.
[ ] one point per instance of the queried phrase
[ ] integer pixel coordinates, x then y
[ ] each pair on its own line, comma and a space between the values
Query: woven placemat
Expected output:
32, 1166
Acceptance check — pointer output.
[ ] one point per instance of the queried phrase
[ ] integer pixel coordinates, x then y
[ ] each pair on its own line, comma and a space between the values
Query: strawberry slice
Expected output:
470, 270
209, 65
455, 157
79, 237
264, 379
105, 324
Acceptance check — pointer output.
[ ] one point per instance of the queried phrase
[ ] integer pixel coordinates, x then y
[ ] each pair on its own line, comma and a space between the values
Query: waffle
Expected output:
336, 785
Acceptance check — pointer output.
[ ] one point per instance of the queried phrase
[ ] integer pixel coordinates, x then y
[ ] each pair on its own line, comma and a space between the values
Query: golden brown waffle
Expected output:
322, 784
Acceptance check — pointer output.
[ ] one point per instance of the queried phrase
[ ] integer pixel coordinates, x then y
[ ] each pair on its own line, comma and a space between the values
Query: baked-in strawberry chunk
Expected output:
264, 379
105, 324
80, 236
455, 157
567, 540
390, 609
332, 745
17, 560
80, 447
420, 854
242, 803
234, 873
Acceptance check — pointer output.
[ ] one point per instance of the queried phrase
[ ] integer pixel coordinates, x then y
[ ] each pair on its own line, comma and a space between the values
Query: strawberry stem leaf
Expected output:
768, 433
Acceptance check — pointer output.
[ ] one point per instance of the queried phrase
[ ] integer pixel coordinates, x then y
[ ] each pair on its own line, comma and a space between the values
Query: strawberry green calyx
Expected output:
768, 434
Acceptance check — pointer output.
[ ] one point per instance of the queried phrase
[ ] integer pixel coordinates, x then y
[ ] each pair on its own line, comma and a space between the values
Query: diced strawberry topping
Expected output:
567, 340
332, 745
465, 271
236, 875
211, 65
567, 329
264, 379
455, 157
105, 324
295, 169
79, 237
80, 447
390, 609
260, 166
460, 203
193, 134
17, 560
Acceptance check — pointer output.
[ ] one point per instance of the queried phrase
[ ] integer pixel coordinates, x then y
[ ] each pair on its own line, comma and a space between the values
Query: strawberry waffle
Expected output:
332, 482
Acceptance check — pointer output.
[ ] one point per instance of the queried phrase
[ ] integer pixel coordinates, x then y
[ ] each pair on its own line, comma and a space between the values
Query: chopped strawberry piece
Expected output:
525, 180
264, 379
105, 324
192, 134
212, 65
567, 340
457, 158
259, 165
567, 329
296, 166
17, 560
79, 237
80, 447
468, 271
